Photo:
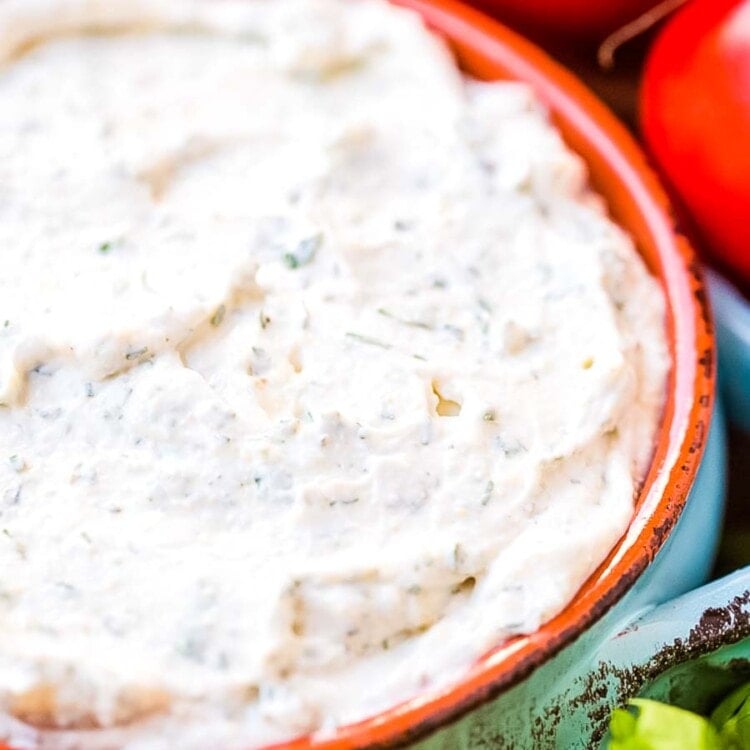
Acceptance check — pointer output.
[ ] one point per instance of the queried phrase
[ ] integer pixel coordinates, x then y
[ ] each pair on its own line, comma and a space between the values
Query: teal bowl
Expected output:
536, 691
732, 316
691, 652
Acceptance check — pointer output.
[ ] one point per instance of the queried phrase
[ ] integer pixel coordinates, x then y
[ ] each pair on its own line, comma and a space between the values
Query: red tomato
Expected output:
695, 117
581, 18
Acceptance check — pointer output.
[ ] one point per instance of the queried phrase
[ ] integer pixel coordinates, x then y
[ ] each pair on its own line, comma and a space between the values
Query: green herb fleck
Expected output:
458, 555
413, 323
105, 247
192, 649
264, 320
136, 353
368, 340
304, 252
488, 490
218, 316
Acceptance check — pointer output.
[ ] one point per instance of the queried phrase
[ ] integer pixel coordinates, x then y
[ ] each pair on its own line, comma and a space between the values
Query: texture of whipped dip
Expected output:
321, 368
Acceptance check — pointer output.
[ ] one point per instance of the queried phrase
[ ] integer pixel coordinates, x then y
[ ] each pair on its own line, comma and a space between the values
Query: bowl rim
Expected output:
486, 48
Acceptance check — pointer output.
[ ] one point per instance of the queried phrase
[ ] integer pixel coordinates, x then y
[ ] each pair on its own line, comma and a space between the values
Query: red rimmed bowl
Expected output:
496, 703
516, 695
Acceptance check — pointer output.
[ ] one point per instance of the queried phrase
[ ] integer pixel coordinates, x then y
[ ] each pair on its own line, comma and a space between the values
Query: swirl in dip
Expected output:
322, 370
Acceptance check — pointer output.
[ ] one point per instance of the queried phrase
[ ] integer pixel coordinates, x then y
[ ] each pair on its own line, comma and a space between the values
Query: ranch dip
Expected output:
322, 370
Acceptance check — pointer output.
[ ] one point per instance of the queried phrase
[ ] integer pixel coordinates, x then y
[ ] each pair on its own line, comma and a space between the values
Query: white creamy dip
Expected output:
322, 370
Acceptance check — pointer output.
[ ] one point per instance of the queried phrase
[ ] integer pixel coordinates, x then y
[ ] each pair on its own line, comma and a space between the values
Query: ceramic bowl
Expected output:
732, 314
691, 652
513, 696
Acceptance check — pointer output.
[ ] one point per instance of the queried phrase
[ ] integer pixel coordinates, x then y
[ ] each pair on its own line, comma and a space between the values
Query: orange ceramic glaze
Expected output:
485, 49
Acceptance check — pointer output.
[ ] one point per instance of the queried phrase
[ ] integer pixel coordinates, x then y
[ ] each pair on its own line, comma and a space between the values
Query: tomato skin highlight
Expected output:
695, 119
592, 19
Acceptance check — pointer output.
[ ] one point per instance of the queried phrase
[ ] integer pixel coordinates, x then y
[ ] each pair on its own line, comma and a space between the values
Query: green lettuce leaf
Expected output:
658, 726
732, 719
